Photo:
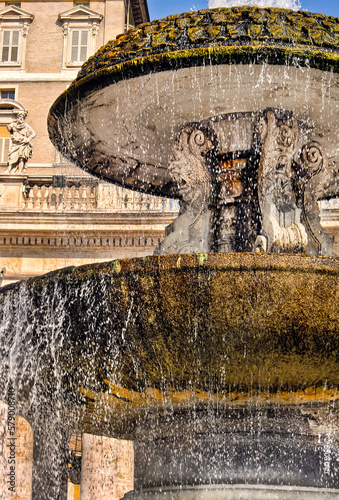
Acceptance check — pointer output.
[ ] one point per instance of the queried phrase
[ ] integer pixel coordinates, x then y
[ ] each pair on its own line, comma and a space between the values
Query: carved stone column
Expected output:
107, 468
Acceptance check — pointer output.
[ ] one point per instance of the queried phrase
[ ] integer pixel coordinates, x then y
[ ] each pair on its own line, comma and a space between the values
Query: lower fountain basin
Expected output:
222, 368
119, 339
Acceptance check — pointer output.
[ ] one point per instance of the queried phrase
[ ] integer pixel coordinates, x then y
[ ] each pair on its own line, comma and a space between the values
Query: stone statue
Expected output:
21, 149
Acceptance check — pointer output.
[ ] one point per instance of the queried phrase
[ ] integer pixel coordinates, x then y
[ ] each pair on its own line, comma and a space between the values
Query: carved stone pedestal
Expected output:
254, 191
12, 190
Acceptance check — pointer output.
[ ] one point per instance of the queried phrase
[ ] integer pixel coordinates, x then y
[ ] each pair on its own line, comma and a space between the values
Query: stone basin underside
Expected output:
112, 131
223, 368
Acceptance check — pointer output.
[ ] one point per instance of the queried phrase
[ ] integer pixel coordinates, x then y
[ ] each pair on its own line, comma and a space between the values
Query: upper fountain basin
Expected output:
121, 116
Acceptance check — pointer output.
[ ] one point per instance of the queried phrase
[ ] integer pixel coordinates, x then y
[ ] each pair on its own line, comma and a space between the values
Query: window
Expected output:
16, 4
10, 45
5, 143
84, 4
80, 27
14, 27
8, 94
79, 45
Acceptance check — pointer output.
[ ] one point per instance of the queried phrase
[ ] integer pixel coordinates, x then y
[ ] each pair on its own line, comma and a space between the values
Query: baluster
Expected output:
83, 199
72, 199
92, 197
35, 199
38, 199
76, 198
30, 200
44, 194
65, 199
49, 197
69, 199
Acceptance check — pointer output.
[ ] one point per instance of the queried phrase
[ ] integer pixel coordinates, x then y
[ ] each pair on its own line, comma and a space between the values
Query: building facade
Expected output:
52, 214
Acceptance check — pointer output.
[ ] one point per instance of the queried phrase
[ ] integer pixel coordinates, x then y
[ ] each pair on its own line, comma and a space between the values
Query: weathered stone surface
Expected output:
246, 27
191, 231
195, 314
107, 468
195, 93
262, 198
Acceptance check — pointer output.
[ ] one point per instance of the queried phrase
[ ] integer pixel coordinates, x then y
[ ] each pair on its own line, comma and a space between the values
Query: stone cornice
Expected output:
80, 13
13, 13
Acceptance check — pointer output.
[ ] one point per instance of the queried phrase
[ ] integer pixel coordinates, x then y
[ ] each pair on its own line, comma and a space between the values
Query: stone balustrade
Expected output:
331, 204
82, 197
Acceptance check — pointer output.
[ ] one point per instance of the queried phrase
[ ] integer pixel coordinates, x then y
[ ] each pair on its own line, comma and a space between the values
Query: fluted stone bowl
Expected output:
120, 117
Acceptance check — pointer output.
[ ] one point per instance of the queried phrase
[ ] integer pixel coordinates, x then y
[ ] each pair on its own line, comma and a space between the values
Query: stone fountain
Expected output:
219, 356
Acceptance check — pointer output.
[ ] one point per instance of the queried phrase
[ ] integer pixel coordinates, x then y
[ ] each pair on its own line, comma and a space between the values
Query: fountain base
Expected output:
235, 492
273, 451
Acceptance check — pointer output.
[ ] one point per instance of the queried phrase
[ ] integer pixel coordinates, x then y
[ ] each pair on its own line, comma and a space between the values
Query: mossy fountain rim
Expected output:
153, 264
237, 35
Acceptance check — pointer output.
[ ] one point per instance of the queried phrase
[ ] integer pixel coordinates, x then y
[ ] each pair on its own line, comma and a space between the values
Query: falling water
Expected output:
282, 4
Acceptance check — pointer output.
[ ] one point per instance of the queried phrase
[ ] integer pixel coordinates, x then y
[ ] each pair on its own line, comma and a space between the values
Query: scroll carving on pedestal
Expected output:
190, 232
282, 230
317, 178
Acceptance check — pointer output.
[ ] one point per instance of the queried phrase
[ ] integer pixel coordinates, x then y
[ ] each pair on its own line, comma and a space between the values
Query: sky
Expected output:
163, 8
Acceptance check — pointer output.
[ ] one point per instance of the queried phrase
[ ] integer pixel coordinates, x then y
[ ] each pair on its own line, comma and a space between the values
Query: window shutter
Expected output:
75, 45
84, 44
10, 45
4, 149
5, 45
15, 46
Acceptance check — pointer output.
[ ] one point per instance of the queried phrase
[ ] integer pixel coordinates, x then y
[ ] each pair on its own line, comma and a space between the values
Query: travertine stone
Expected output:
281, 229
107, 468
23, 457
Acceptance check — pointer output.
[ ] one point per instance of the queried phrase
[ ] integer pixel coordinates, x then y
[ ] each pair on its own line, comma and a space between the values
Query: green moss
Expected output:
194, 29
239, 35
116, 266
